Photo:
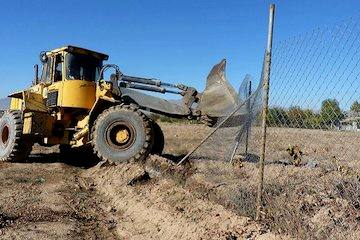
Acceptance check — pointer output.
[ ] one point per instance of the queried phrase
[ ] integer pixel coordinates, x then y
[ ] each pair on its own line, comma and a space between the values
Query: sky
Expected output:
175, 41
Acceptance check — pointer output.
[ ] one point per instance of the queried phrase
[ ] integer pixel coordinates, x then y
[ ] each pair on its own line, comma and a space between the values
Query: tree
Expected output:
312, 120
296, 116
277, 117
330, 113
315, 122
355, 107
355, 110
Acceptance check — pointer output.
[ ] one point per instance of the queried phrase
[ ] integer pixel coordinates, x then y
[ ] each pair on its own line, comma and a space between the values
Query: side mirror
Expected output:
43, 57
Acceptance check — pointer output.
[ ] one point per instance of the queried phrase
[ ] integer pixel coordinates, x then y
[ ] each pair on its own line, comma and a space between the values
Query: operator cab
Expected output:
71, 63
69, 75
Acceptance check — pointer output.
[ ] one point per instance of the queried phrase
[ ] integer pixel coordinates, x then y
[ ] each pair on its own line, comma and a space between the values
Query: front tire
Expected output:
14, 146
121, 134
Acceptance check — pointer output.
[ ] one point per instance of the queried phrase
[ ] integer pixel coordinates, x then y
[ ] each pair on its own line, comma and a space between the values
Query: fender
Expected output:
100, 105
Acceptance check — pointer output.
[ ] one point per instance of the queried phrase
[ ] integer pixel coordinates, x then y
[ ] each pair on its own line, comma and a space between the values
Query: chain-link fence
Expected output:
312, 178
313, 160
315, 79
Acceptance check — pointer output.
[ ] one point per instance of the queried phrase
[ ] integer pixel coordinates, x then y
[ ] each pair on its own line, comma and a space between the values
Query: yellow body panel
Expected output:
38, 122
34, 102
16, 104
75, 93
28, 100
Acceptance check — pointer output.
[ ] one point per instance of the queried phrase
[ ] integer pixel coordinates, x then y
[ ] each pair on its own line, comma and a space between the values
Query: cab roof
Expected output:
74, 49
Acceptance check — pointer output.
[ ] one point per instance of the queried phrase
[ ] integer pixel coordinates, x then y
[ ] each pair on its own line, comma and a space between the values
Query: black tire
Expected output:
121, 134
14, 146
158, 142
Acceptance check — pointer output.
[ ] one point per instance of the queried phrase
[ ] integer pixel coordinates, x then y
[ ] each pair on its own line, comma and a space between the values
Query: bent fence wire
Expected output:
232, 132
312, 179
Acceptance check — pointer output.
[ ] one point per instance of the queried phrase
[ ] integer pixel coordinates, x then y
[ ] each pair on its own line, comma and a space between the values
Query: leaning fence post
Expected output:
266, 83
248, 123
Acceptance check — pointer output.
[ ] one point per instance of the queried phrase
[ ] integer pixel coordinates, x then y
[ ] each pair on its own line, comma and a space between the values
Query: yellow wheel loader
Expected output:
72, 105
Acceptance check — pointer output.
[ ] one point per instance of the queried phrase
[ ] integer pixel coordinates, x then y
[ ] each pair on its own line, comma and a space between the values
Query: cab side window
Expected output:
45, 76
58, 68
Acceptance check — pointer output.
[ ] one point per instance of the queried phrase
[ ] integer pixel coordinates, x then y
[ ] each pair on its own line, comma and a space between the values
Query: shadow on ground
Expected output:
82, 160
172, 157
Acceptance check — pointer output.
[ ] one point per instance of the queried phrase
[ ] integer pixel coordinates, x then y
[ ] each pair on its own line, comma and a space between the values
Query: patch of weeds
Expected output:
231, 236
284, 212
349, 189
296, 154
312, 208
39, 180
244, 201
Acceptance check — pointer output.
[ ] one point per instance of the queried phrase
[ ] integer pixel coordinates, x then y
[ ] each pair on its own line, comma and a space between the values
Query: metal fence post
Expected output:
248, 108
266, 83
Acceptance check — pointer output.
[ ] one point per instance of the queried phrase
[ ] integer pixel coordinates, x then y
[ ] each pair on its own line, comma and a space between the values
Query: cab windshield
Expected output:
82, 67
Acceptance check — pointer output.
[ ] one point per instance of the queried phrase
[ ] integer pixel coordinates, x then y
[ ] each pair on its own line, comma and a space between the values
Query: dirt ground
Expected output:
79, 198
46, 199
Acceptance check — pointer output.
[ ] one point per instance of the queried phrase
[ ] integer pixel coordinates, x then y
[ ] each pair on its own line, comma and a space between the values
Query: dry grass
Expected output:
313, 208
207, 198
305, 202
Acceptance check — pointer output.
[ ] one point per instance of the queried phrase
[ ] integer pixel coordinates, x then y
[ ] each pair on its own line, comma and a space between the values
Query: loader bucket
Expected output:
219, 97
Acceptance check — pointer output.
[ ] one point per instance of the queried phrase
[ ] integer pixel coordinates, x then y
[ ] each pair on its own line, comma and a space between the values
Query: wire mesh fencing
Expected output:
312, 177
314, 99
312, 167
315, 79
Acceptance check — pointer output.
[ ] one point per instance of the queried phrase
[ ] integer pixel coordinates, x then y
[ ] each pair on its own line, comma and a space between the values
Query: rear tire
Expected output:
14, 146
121, 134
158, 139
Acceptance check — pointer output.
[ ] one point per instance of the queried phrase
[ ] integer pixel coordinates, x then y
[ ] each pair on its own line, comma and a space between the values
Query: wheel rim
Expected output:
120, 135
5, 134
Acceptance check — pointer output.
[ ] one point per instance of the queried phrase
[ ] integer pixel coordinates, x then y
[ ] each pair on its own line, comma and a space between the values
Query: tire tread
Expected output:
22, 146
143, 153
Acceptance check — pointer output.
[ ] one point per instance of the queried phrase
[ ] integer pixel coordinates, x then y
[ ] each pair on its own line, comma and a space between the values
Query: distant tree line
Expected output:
328, 117
355, 111
355, 108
